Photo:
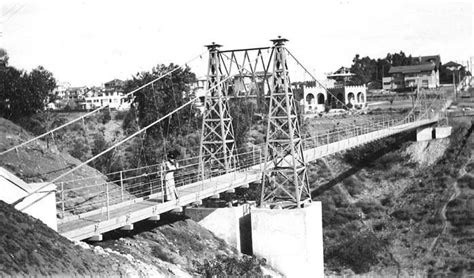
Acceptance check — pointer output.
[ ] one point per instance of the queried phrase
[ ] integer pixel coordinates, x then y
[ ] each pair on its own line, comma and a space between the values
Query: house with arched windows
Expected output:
340, 95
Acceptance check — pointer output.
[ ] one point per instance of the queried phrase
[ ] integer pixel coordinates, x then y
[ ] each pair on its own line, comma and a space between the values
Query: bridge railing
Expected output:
131, 185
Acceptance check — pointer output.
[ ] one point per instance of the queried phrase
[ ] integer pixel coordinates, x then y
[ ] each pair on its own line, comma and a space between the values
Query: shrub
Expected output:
79, 150
353, 186
231, 267
120, 115
104, 117
371, 209
358, 252
163, 255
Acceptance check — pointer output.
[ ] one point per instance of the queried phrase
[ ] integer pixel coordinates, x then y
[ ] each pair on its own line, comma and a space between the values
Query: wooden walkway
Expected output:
122, 215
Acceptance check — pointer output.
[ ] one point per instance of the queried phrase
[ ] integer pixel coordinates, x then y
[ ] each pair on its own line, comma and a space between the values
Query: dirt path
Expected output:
454, 195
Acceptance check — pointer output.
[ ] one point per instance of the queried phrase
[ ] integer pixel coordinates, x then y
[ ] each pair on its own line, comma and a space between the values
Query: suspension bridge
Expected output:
87, 209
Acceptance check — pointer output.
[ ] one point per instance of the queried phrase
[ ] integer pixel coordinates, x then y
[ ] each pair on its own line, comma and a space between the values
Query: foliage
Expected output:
120, 115
79, 149
241, 111
130, 122
446, 75
103, 162
358, 252
231, 267
164, 96
23, 94
3, 58
104, 116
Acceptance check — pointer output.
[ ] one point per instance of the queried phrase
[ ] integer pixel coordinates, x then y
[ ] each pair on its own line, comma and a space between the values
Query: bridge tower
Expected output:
217, 148
286, 183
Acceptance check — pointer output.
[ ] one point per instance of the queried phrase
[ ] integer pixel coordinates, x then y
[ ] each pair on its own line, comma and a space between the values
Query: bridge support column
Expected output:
128, 227
154, 218
443, 131
96, 238
424, 134
230, 224
290, 240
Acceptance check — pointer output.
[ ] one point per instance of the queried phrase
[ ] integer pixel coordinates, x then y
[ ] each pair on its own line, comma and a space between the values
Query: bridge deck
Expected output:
99, 221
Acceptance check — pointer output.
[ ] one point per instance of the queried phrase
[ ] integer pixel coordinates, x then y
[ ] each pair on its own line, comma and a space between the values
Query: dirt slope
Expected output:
41, 161
383, 207
173, 247
30, 248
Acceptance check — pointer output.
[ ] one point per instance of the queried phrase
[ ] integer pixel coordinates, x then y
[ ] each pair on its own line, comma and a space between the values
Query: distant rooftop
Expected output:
341, 72
436, 59
452, 64
412, 68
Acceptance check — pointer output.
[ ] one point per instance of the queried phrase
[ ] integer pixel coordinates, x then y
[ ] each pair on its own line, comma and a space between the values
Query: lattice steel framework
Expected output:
249, 70
217, 148
285, 180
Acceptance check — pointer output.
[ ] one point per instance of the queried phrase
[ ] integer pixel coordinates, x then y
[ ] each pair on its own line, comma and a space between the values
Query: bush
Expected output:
358, 252
163, 255
79, 150
120, 115
371, 209
231, 267
353, 186
104, 117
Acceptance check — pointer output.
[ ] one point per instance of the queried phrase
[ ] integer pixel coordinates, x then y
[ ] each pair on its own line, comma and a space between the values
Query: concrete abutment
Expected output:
430, 133
290, 240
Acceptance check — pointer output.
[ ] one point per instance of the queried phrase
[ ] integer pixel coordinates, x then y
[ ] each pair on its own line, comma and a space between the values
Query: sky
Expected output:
90, 42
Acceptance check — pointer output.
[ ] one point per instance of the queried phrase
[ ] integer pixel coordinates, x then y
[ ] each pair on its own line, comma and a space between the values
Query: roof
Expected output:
452, 64
431, 58
412, 68
342, 71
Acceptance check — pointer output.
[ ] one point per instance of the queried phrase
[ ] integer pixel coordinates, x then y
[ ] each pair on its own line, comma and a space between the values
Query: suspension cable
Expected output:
320, 84
100, 108
112, 147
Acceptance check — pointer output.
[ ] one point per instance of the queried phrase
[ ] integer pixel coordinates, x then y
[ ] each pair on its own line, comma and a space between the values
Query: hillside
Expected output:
398, 207
42, 161
174, 247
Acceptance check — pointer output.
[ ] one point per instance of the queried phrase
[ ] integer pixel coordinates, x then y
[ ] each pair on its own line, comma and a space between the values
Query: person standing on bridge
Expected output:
170, 166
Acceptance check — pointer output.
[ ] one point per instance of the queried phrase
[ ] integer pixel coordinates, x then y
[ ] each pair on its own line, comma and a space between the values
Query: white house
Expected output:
114, 100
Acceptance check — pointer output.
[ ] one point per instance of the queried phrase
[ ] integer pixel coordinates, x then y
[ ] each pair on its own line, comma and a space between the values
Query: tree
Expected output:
370, 71
241, 111
165, 95
152, 103
23, 94
3, 58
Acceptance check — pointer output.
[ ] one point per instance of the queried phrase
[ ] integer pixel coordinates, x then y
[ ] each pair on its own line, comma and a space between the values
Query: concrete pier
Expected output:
424, 134
443, 132
231, 224
290, 240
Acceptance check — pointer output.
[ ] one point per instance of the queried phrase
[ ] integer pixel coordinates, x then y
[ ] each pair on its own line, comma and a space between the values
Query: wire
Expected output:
317, 81
111, 148
98, 109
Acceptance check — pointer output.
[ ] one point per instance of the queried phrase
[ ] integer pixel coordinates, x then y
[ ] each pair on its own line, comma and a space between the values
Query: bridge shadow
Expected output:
385, 147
